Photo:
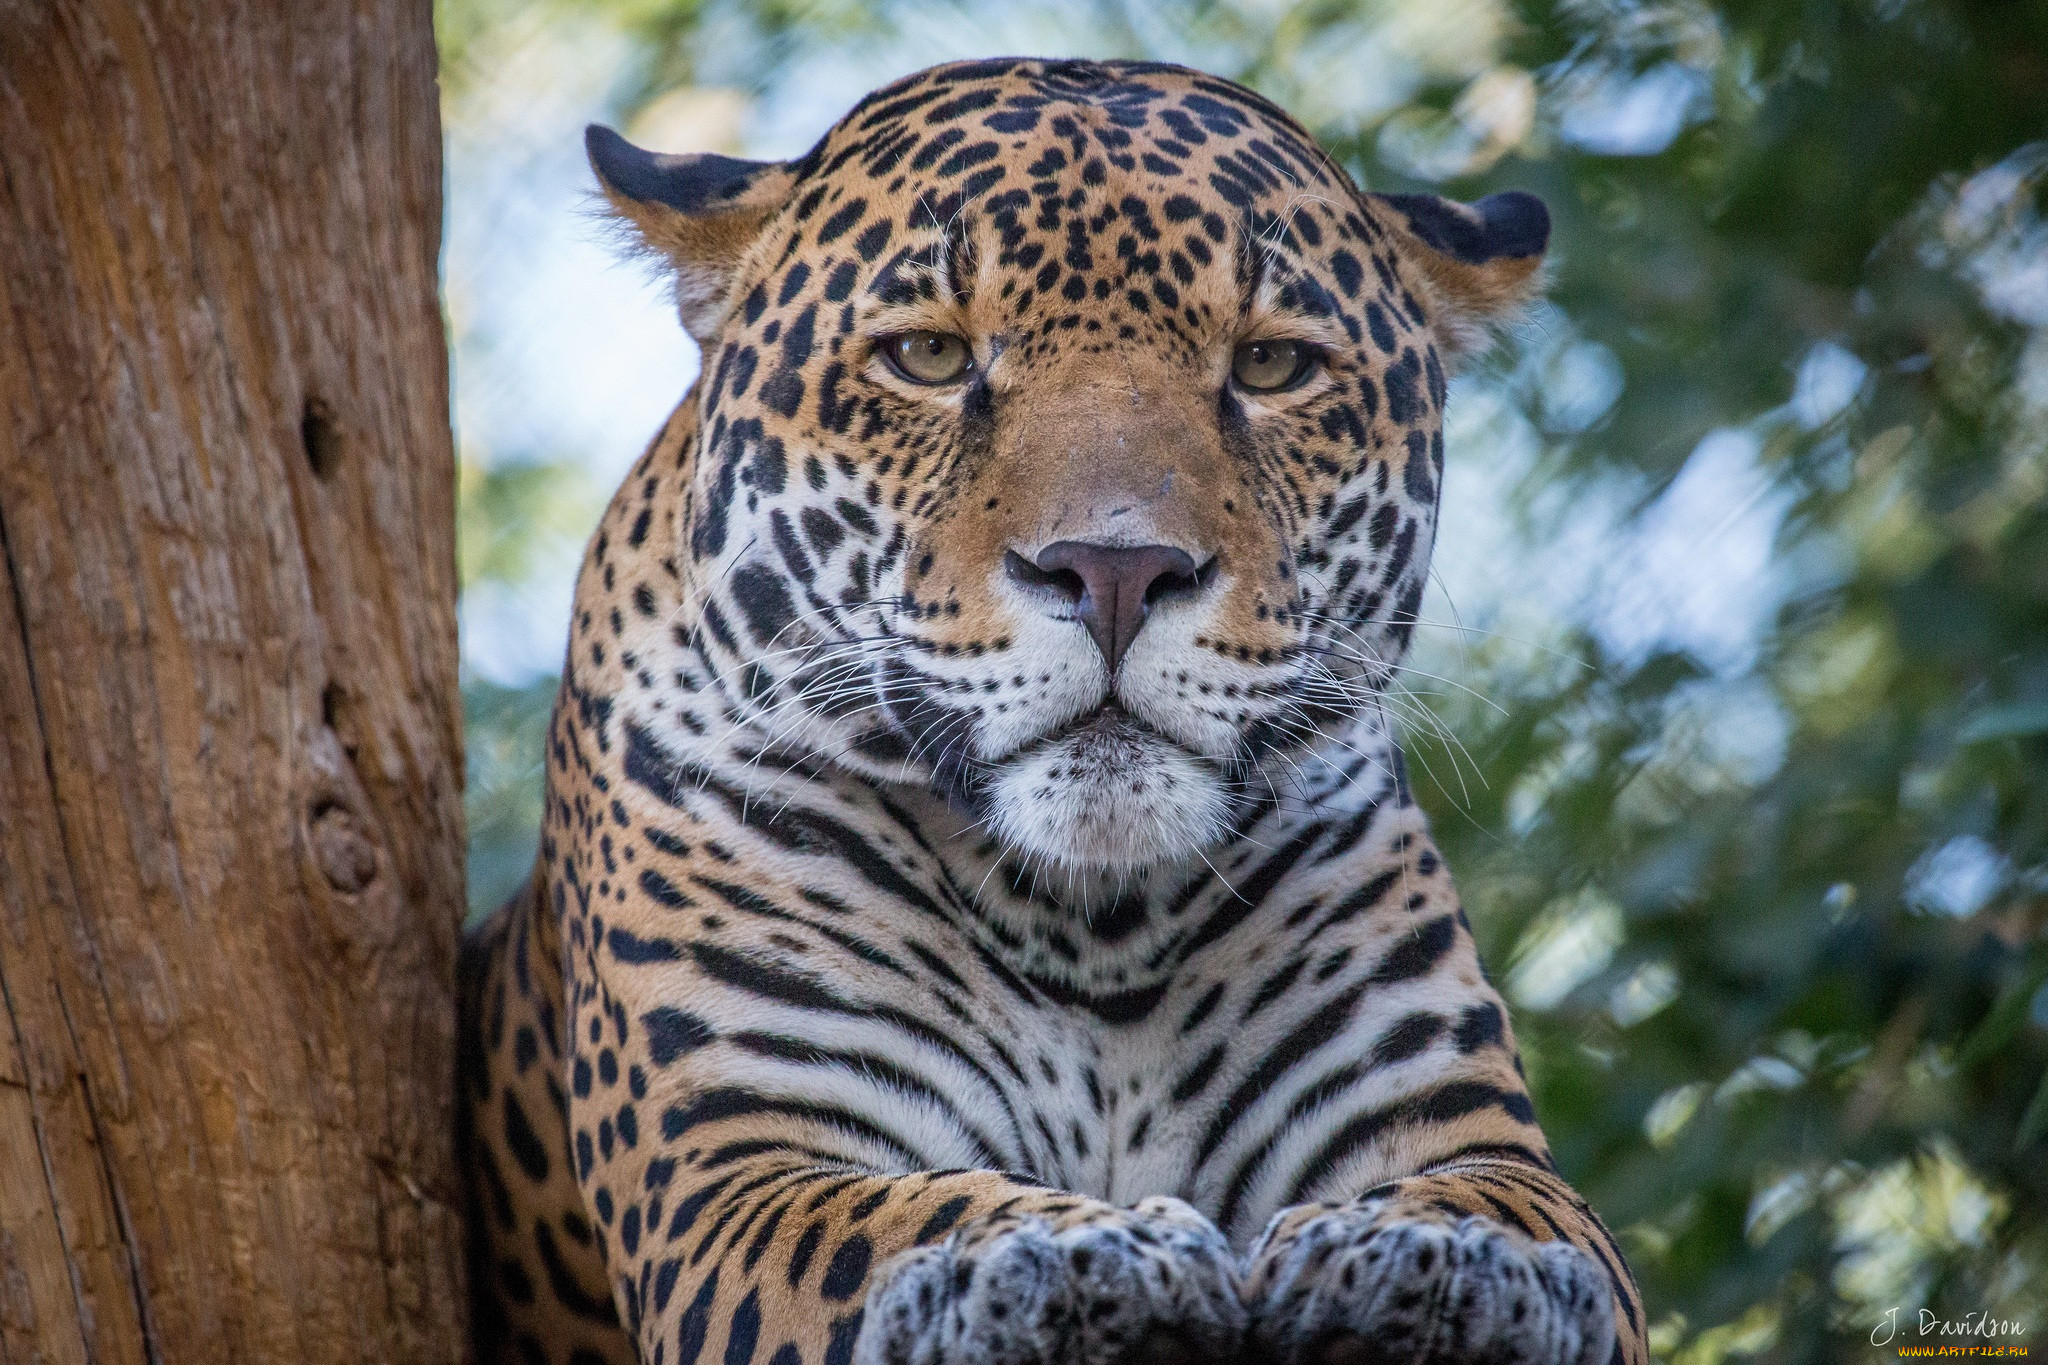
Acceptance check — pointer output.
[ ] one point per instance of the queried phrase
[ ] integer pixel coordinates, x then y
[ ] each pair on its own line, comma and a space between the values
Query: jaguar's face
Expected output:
1070, 438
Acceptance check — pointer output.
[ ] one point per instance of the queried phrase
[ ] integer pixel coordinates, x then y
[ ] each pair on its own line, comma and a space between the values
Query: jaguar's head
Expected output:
1069, 437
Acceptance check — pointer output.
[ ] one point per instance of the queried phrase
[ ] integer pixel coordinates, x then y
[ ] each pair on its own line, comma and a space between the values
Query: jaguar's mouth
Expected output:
1108, 719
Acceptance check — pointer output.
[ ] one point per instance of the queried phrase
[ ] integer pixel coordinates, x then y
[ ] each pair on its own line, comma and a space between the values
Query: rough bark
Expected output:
230, 742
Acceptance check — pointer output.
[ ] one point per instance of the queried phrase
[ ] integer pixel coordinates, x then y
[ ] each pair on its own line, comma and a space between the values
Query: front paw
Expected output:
1099, 1286
1363, 1283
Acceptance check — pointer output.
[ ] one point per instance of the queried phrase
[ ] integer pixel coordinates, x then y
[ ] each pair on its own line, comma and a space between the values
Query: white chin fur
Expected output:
1108, 797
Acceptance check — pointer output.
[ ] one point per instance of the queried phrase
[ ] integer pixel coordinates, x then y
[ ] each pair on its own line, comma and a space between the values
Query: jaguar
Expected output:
981, 914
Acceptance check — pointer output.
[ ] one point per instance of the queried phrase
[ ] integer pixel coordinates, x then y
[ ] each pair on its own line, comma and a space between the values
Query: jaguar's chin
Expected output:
1108, 793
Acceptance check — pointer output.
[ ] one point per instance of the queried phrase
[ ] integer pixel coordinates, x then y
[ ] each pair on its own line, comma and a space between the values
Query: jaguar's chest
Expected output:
1118, 1110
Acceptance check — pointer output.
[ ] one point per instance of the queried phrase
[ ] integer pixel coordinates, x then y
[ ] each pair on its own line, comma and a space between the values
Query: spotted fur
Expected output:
900, 981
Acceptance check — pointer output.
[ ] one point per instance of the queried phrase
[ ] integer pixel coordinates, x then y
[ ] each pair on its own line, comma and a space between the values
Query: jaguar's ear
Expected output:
700, 212
1484, 261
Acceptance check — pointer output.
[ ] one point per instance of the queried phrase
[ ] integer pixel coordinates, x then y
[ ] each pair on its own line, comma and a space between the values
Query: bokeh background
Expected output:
1732, 705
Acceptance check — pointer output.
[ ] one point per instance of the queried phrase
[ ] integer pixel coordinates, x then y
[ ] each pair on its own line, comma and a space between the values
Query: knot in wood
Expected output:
341, 850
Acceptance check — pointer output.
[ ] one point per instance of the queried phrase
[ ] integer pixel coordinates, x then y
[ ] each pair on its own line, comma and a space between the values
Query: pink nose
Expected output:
1112, 586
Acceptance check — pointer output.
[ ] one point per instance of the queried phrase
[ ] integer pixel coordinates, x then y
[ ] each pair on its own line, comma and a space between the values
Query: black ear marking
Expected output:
687, 184
700, 212
1513, 223
1483, 262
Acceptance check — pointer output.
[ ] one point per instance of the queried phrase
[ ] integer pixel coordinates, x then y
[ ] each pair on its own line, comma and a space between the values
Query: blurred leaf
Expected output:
2005, 722
2034, 1122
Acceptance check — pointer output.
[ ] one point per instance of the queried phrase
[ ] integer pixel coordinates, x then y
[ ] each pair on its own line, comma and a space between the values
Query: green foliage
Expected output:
515, 518
1770, 901
505, 728
1835, 1102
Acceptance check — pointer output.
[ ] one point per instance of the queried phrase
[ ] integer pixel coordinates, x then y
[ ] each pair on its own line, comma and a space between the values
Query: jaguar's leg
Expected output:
537, 1277
777, 1258
1477, 1260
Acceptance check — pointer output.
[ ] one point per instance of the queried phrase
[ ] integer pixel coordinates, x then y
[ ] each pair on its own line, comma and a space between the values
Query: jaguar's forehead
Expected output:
998, 136
902, 201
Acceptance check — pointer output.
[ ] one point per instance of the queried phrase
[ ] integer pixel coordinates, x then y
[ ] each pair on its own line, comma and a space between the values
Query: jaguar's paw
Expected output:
1154, 1283
1354, 1284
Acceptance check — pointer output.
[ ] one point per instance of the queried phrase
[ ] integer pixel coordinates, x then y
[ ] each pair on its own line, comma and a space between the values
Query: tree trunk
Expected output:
230, 738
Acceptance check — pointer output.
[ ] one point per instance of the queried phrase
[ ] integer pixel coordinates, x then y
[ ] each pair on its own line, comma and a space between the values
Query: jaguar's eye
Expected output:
928, 357
1268, 366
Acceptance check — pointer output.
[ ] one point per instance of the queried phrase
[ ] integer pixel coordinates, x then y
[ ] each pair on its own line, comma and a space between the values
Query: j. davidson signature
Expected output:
1933, 1324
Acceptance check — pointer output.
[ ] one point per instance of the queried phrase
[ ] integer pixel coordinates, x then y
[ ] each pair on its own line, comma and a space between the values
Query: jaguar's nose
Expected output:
1111, 587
